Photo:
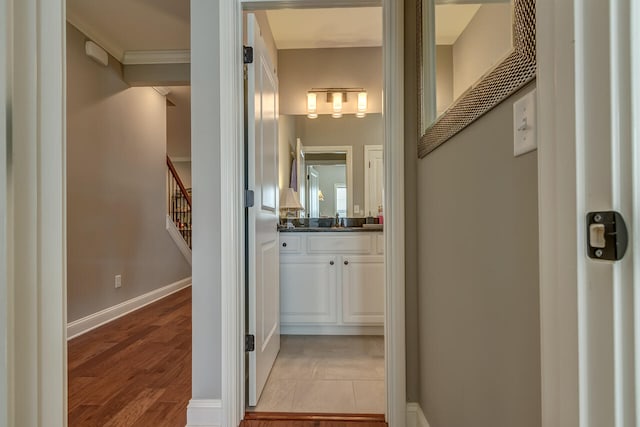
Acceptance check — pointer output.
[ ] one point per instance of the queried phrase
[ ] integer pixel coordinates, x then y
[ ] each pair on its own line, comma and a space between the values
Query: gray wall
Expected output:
116, 174
444, 77
478, 315
286, 147
328, 177
485, 41
347, 130
304, 69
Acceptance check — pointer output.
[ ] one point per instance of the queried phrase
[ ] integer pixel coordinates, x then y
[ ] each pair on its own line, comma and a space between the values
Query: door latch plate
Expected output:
607, 236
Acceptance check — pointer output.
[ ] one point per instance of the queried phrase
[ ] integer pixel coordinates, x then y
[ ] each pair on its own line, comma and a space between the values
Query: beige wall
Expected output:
485, 41
478, 317
347, 130
184, 172
116, 175
286, 146
179, 123
303, 69
444, 77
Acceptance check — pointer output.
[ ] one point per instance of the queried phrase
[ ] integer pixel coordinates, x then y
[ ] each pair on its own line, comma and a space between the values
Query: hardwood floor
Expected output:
135, 371
292, 419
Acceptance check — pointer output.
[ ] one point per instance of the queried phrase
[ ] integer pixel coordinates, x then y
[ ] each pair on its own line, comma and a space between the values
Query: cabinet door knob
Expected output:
284, 245
331, 262
346, 262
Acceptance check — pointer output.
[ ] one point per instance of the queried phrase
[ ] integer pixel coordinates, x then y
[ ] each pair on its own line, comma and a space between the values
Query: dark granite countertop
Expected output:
327, 229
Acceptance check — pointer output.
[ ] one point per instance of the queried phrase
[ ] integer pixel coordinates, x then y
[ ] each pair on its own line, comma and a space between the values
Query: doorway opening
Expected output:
315, 254
128, 217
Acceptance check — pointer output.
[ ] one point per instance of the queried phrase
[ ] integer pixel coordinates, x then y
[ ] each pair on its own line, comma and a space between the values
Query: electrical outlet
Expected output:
118, 281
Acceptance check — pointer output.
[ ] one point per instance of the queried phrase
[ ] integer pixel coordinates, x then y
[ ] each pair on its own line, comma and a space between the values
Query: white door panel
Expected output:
363, 289
374, 166
262, 237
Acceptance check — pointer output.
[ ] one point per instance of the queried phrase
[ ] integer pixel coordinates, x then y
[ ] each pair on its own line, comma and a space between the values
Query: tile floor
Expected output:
334, 374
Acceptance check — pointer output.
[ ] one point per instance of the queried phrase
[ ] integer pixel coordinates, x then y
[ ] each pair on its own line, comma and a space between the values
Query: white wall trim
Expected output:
88, 323
154, 57
204, 413
415, 416
178, 239
557, 211
114, 50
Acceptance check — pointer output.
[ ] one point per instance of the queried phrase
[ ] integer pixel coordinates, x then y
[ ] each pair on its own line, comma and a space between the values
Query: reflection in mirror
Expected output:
455, 92
326, 186
470, 40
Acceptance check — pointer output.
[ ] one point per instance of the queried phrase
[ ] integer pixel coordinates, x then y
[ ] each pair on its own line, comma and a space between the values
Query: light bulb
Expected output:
362, 105
337, 104
312, 105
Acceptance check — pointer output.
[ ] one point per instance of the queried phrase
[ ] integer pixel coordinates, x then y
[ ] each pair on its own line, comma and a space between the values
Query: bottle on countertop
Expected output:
380, 216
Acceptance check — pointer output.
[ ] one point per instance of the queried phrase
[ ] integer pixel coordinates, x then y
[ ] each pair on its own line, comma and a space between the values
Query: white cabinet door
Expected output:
363, 289
308, 289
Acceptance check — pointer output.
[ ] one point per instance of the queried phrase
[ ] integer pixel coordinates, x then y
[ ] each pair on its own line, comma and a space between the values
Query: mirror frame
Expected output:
514, 71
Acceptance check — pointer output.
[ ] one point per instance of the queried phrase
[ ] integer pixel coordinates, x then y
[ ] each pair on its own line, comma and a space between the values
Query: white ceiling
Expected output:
133, 25
452, 19
147, 25
325, 28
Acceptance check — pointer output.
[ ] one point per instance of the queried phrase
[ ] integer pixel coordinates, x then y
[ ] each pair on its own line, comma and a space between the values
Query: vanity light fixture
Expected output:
362, 105
337, 97
312, 105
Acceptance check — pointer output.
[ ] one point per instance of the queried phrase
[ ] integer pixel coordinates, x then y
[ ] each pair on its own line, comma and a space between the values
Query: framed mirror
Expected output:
472, 54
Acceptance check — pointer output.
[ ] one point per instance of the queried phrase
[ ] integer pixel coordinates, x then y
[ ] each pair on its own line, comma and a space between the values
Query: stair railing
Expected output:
179, 203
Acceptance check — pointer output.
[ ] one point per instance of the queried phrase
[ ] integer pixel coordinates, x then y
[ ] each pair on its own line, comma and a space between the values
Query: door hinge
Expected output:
247, 54
249, 343
248, 198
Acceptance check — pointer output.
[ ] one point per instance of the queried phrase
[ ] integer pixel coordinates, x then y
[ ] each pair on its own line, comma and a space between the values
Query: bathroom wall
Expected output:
347, 130
300, 70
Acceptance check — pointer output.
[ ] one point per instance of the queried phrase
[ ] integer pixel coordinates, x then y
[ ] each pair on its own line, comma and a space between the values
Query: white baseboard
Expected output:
330, 330
178, 239
84, 325
415, 416
204, 413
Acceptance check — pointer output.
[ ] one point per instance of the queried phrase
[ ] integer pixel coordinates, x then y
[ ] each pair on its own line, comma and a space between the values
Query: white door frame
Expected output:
368, 149
33, 236
233, 375
348, 150
564, 92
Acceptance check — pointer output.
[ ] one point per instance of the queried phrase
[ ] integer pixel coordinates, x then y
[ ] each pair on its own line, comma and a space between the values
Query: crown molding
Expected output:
100, 40
153, 57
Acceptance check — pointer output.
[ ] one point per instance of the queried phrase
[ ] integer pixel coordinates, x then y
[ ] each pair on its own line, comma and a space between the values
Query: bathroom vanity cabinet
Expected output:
332, 283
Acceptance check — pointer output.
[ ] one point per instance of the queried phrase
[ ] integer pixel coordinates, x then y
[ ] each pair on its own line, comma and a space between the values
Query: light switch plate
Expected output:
524, 124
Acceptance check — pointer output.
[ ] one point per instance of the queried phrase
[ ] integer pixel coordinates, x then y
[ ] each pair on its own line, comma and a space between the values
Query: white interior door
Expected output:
313, 184
373, 179
262, 245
